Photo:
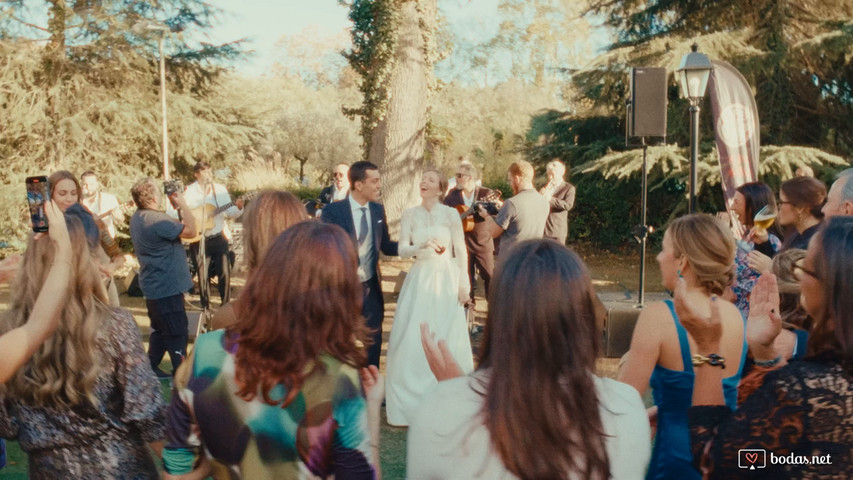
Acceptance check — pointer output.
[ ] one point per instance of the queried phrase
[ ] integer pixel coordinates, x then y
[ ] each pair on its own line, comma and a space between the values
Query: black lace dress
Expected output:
801, 417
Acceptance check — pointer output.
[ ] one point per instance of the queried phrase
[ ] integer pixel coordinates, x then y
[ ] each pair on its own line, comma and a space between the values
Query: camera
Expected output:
172, 186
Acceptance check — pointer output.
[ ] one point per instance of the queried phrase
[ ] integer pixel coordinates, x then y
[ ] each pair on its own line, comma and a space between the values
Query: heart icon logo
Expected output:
752, 457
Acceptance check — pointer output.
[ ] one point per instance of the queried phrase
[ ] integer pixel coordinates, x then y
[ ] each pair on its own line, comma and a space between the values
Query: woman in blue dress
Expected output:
697, 249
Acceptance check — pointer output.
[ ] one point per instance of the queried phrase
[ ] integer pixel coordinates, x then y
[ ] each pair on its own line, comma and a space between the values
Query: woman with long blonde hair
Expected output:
86, 403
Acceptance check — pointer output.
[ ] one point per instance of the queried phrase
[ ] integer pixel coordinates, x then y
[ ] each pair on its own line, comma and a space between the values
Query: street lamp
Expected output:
693, 77
162, 29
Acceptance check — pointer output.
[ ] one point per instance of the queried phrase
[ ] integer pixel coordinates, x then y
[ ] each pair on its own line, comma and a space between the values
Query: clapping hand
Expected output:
438, 356
705, 330
764, 323
759, 262
374, 385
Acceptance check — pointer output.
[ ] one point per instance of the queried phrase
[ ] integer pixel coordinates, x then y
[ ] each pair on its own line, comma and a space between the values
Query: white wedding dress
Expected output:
430, 294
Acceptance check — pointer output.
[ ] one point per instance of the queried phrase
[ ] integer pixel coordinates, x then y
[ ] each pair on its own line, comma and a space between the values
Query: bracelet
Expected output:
713, 360
768, 363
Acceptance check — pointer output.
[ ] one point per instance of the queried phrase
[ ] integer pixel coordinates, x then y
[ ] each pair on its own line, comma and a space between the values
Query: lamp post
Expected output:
693, 77
162, 29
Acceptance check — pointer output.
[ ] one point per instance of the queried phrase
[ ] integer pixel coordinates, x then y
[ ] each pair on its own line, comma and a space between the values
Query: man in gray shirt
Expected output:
164, 275
521, 217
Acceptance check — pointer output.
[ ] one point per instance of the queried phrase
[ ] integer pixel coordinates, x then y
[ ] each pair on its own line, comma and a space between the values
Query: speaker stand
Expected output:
641, 232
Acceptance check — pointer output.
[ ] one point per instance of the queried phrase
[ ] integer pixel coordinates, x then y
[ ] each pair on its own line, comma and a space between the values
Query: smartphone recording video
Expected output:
38, 192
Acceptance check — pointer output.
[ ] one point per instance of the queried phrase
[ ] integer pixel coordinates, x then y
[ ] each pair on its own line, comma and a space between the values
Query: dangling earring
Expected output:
679, 273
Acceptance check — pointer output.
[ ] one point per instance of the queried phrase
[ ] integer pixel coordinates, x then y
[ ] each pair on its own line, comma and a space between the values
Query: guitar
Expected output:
209, 213
492, 202
124, 207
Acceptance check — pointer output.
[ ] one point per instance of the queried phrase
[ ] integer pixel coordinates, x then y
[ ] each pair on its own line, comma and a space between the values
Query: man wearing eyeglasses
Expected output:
338, 190
478, 240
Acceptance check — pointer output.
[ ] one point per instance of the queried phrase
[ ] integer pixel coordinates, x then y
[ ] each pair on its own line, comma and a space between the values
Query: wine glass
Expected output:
765, 217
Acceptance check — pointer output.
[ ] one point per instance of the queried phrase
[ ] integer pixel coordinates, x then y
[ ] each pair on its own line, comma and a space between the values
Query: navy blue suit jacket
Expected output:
339, 213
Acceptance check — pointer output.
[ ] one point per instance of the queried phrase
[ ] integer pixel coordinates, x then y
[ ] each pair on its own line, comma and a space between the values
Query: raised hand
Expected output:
373, 383
438, 356
705, 330
764, 323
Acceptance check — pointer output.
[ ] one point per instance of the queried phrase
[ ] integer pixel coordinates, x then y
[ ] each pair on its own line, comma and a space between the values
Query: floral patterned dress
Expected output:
104, 442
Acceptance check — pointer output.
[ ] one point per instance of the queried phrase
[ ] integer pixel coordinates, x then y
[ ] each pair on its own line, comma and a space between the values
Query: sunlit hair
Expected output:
285, 322
61, 175
201, 165
64, 370
846, 176
833, 325
790, 310
708, 248
805, 192
541, 405
266, 216
756, 195
144, 193
523, 169
468, 169
558, 167
442, 181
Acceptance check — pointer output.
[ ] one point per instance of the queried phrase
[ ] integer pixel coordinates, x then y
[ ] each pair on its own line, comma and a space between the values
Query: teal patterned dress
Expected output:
322, 433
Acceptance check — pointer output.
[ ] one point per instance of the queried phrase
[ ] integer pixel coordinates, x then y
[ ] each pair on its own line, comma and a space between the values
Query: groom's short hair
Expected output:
358, 171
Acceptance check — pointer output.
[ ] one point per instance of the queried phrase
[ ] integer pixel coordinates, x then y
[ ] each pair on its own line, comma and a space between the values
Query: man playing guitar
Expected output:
103, 205
201, 193
478, 240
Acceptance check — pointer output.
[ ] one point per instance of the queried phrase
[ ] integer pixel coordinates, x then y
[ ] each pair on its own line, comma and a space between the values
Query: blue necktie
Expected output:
362, 231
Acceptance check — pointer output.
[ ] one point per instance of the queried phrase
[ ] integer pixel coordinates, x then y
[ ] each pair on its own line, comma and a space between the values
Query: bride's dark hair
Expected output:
541, 406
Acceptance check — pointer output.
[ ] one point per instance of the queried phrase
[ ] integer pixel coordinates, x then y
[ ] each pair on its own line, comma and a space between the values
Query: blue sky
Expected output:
263, 22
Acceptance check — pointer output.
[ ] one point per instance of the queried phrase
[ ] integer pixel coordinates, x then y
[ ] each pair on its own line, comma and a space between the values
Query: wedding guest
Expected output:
800, 411
86, 405
700, 252
277, 394
266, 216
534, 408
749, 199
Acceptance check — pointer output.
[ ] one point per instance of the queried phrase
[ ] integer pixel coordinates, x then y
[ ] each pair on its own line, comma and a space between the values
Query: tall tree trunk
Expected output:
53, 61
397, 142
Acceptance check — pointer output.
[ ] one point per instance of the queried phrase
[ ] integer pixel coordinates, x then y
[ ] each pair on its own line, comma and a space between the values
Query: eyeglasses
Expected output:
461, 175
794, 271
338, 174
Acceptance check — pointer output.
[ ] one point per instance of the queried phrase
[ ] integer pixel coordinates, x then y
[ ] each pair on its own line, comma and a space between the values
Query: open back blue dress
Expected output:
673, 395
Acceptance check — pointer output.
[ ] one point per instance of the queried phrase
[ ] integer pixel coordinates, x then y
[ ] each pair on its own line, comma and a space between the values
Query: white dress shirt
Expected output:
366, 251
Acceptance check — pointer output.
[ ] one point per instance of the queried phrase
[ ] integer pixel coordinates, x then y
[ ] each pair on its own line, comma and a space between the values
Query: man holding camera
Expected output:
163, 275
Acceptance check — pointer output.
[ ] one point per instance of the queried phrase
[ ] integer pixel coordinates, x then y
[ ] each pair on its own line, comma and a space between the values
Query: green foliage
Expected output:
374, 40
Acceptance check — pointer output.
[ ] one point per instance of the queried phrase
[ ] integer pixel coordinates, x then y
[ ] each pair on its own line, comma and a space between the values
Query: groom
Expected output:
364, 220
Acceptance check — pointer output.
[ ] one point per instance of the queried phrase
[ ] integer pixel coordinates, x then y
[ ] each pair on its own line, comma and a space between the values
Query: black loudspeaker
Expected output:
647, 106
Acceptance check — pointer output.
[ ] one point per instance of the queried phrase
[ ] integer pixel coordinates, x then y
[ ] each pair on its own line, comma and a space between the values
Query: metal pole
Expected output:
694, 154
163, 108
645, 232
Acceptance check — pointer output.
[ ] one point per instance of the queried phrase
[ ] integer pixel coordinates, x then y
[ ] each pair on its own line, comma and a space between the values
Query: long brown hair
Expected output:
833, 326
63, 372
545, 348
285, 322
266, 216
61, 175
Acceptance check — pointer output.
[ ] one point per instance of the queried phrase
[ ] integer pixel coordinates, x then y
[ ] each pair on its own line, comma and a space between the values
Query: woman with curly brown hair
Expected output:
534, 409
87, 403
277, 394
700, 252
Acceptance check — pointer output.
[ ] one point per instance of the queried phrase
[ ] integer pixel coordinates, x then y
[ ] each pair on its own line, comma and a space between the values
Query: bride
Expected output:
433, 293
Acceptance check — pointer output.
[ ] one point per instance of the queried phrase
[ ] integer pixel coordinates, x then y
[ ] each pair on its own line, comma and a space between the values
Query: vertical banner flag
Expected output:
736, 127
